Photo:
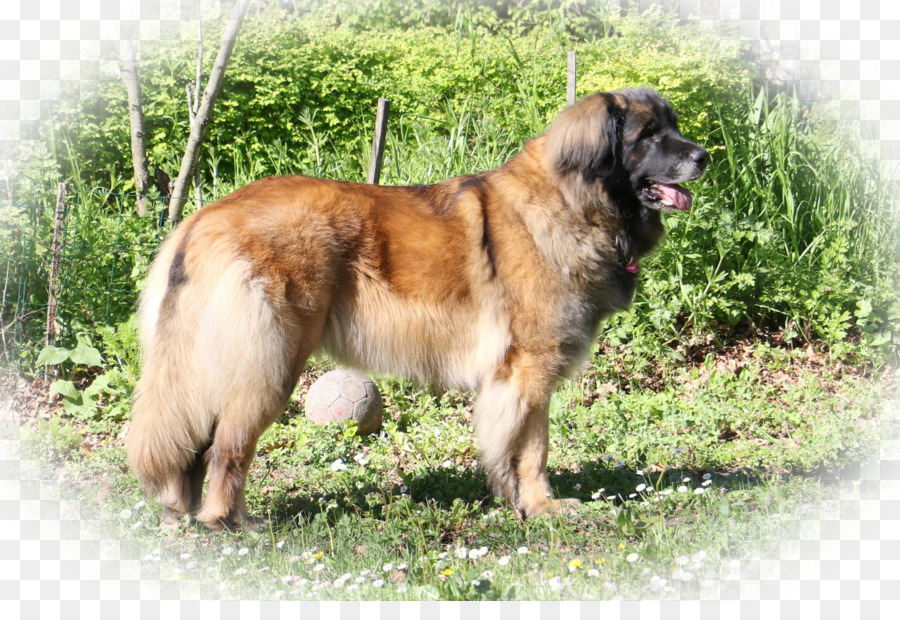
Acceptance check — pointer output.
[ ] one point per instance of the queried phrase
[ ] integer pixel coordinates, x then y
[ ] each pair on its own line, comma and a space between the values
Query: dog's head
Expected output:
627, 140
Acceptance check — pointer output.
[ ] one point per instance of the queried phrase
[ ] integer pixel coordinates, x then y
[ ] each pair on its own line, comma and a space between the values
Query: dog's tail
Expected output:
171, 423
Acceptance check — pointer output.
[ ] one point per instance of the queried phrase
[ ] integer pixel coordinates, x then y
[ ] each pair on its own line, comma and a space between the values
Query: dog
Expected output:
495, 282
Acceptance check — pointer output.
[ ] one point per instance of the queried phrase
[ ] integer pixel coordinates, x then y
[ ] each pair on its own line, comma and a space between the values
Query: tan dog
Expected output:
494, 282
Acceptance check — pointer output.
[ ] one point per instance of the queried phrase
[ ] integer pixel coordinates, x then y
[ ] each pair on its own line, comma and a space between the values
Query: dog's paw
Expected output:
565, 506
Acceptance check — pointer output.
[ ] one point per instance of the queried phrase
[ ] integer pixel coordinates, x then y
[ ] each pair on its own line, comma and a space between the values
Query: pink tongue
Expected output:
675, 195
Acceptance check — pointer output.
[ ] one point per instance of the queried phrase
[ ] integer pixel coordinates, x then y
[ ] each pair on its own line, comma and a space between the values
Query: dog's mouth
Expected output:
667, 196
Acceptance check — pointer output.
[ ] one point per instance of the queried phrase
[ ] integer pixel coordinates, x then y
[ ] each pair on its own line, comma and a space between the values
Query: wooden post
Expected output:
55, 259
570, 89
381, 121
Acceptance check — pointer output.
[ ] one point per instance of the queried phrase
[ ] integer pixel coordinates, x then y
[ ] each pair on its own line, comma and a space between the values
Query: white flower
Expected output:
707, 476
137, 525
698, 557
279, 544
596, 494
476, 583
640, 488
241, 571
361, 459
462, 553
474, 554
243, 551
523, 550
125, 514
632, 557
632, 495
338, 465
486, 574
264, 569
227, 550
682, 560
503, 561
378, 583
318, 567
699, 491
685, 479
593, 572
556, 584
387, 567
577, 486
140, 505
447, 463
706, 483
402, 588
640, 472
682, 489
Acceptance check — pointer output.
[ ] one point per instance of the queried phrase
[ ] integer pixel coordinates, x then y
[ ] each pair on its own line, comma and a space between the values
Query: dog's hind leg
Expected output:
184, 494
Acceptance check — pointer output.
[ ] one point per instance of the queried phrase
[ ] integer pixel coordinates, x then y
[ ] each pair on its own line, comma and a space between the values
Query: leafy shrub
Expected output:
788, 231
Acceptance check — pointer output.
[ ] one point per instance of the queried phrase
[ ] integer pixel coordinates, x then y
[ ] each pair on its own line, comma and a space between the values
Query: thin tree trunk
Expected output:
204, 113
129, 73
193, 102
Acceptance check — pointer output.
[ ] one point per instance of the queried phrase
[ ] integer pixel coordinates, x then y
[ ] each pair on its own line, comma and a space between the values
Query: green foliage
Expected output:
55, 439
87, 394
787, 232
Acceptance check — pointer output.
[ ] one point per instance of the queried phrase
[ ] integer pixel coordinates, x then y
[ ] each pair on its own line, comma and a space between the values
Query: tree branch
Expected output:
204, 113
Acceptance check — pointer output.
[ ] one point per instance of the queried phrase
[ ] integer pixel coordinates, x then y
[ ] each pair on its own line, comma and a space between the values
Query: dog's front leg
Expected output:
512, 425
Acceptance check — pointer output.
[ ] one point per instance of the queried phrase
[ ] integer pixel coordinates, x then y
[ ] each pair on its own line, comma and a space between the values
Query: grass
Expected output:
677, 484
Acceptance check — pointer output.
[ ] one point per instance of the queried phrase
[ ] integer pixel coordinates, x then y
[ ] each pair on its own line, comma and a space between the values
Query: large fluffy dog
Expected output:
494, 282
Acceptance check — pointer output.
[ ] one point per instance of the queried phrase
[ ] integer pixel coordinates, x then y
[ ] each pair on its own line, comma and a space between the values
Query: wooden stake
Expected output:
381, 121
570, 89
56, 258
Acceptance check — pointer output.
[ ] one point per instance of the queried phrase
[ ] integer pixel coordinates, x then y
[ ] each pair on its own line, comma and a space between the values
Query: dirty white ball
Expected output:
342, 395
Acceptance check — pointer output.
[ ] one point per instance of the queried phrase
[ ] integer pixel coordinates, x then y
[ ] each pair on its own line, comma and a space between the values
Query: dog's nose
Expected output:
701, 158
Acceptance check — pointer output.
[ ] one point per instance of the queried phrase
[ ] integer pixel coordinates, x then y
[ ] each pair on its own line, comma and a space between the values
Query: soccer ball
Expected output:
342, 395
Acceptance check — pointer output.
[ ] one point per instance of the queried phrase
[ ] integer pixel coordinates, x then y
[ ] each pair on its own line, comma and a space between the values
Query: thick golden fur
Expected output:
494, 282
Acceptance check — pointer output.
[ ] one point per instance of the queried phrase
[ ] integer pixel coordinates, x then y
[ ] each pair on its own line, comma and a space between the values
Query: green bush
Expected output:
788, 231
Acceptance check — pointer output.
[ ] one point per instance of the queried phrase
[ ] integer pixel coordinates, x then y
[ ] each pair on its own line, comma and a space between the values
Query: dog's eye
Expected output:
649, 132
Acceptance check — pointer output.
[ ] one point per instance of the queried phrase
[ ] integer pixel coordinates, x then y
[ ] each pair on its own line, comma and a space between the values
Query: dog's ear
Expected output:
583, 139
